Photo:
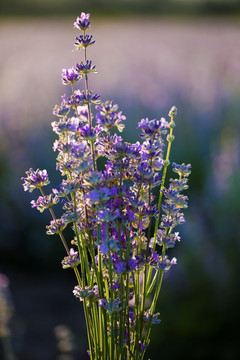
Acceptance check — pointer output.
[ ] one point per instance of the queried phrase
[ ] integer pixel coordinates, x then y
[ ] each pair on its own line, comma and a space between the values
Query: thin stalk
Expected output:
54, 218
165, 166
111, 293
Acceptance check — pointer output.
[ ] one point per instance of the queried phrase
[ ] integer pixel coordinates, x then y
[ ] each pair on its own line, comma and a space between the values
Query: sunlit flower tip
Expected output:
173, 111
70, 76
182, 170
83, 41
35, 179
72, 260
82, 22
45, 202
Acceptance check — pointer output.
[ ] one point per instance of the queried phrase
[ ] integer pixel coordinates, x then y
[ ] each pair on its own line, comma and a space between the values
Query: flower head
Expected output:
182, 170
56, 226
70, 76
35, 179
82, 22
84, 68
83, 41
45, 202
72, 260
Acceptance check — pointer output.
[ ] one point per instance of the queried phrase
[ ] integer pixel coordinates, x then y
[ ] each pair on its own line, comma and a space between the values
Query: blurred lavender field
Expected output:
146, 65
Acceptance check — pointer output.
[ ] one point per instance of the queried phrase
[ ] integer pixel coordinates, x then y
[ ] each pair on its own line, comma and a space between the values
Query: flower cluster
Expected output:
118, 260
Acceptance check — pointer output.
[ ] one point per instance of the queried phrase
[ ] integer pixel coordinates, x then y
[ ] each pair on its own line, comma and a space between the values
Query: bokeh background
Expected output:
150, 55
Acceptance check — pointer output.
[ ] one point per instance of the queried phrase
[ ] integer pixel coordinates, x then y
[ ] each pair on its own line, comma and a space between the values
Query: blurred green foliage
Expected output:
118, 7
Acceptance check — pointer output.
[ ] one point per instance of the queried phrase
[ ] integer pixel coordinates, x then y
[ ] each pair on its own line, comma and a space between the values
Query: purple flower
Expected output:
104, 248
85, 67
87, 132
65, 188
92, 197
61, 111
83, 41
45, 202
83, 98
110, 306
82, 111
163, 264
119, 267
116, 286
182, 170
108, 116
107, 215
102, 302
35, 179
151, 319
72, 260
168, 240
152, 128
142, 346
56, 226
69, 125
82, 22
70, 76
88, 293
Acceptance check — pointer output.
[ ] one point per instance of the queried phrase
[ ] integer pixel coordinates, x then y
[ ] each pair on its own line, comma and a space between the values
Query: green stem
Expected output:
165, 166
111, 293
60, 232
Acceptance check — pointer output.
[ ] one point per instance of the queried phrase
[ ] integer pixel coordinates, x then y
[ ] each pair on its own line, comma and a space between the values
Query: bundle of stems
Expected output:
121, 231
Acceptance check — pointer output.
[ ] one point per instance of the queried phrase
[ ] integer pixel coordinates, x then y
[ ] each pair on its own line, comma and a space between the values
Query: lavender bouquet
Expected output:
120, 231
